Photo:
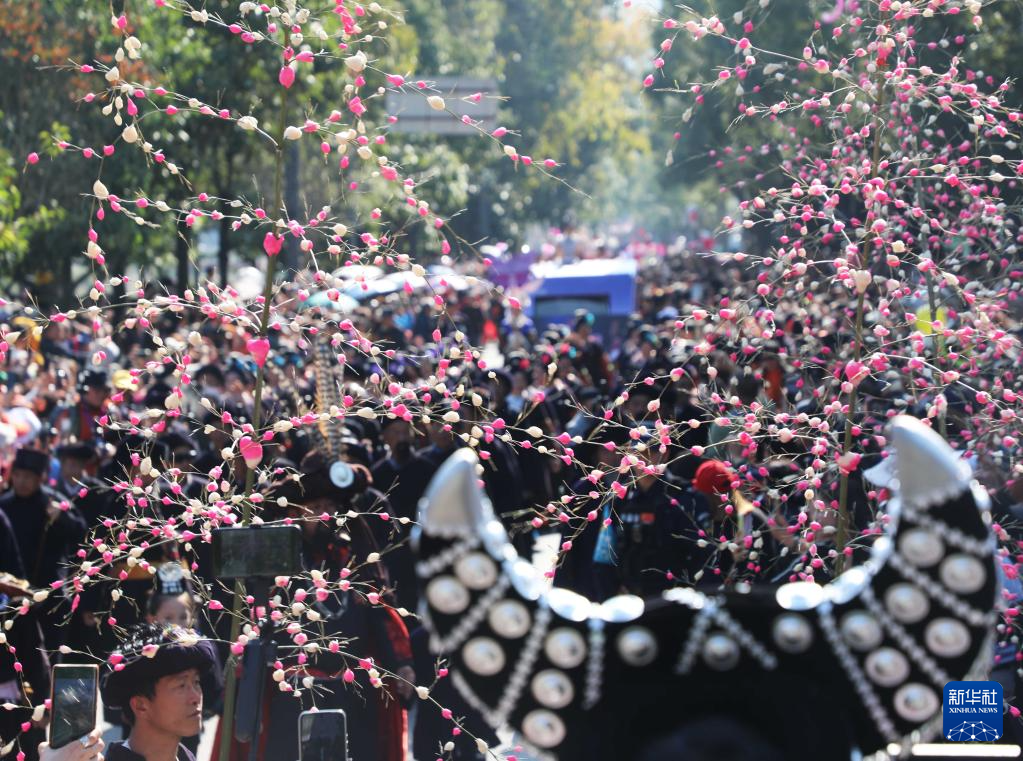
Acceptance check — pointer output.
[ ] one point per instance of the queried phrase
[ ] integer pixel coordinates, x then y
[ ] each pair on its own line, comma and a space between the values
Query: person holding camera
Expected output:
158, 679
376, 718
78, 484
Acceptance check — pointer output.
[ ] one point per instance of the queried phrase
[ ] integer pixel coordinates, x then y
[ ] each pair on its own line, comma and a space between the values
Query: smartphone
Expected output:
323, 735
257, 552
73, 703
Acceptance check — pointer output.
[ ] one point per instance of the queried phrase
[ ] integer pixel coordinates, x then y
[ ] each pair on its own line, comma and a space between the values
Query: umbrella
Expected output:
454, 282
400, 278
372, 288
358, 272
343, 303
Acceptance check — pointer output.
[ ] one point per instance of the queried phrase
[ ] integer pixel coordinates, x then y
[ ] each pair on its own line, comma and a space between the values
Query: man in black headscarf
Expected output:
78, 485
158, 681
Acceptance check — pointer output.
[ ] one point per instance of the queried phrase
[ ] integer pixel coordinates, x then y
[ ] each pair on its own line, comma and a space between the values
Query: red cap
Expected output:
713, 477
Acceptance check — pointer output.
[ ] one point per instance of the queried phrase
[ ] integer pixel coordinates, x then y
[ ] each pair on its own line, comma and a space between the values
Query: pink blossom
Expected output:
356, 107
856, 372
272, 244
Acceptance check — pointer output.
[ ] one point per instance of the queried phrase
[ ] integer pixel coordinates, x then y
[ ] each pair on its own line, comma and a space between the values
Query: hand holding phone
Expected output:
88, 748
73, 704
323, 735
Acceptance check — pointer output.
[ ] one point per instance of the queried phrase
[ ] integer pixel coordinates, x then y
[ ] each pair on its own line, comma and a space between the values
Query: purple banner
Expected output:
512, 272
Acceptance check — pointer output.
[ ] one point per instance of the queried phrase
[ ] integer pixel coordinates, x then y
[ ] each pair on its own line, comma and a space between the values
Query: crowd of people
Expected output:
640, 445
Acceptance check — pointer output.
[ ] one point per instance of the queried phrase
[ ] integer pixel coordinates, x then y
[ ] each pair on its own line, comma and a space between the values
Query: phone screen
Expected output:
74, 703
263, 551
323, 735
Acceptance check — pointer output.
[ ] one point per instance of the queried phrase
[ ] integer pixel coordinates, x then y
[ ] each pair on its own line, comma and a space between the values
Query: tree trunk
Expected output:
223, 252
292, 254
182, 244
67, 288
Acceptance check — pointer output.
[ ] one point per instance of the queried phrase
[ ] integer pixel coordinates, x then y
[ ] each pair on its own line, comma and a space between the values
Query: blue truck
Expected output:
604, 287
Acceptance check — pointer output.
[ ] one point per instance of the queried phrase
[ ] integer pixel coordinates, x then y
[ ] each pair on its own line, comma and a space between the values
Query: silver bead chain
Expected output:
855, 674
440, 561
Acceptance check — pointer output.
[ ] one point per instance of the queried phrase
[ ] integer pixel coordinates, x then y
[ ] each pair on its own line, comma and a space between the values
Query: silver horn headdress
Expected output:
864, 659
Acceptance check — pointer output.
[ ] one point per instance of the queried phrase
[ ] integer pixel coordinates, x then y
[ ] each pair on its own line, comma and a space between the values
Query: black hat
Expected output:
615, 433
502, 377
135, 443
285, 486
356, 452
647, 390
360, 428
209, 371
339, 480
156, 394
152, 652
33, 460
80, 451
181, 446
386, 421
94, 378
